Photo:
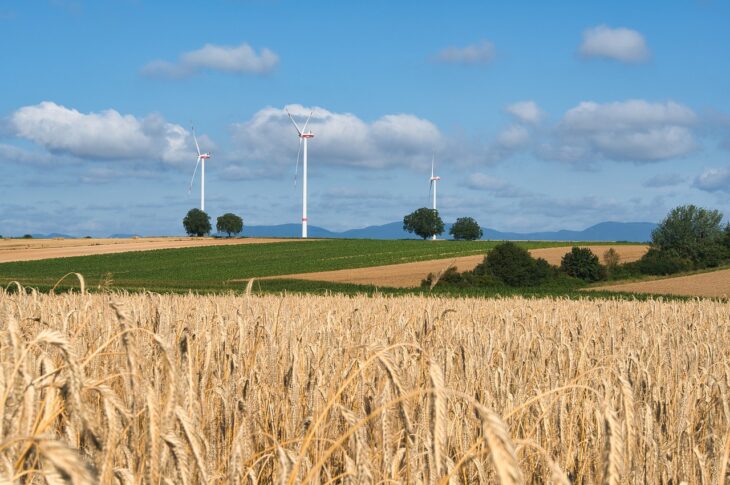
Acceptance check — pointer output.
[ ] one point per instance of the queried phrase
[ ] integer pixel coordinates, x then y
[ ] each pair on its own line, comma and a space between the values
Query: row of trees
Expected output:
426, 223
688, 238
197, 223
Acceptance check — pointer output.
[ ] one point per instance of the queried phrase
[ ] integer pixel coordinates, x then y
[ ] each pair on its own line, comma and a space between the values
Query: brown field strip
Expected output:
35, 249
713, 284
408, 275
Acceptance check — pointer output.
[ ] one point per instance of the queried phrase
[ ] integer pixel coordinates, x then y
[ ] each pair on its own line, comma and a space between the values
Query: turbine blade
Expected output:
190, 188
430, 191
304, 130
196, 141
433, 161
296, 167
294, 122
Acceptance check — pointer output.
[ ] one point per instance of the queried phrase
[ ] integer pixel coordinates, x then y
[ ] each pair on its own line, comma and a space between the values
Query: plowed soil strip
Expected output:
35, 249
408, 275
713, 284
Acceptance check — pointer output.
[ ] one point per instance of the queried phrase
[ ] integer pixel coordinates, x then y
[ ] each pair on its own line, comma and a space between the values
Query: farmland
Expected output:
710, 284
220, 268
260, 389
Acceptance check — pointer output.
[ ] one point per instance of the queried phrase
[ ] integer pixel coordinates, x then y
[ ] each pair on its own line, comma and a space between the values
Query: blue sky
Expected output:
541, 115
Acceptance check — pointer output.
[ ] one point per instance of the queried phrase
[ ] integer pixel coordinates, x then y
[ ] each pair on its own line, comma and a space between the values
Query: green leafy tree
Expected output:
229, 223
512, 265
466, 228
687, 231
197, 223
582, 263
726, 238
424, 222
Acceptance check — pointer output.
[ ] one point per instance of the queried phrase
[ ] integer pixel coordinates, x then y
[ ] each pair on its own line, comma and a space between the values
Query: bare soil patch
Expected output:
35, 249
713, 284
408, 275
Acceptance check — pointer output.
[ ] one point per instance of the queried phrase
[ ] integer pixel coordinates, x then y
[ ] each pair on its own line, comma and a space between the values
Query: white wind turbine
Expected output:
202, 157
432, 186
304, 135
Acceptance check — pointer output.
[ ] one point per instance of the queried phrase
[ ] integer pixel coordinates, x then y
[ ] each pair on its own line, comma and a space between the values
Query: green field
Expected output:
212, 268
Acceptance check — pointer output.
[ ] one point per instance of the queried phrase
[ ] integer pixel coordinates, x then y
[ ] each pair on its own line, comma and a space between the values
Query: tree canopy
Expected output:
466, 228
229, 223
689, 231
197, 223
424, 222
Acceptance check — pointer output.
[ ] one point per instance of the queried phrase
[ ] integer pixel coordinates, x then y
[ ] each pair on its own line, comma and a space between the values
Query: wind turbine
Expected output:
304, 135
202, 157
432, 186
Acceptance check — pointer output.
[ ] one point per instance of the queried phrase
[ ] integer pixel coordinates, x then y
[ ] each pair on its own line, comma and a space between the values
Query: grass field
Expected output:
147, 388
213, 268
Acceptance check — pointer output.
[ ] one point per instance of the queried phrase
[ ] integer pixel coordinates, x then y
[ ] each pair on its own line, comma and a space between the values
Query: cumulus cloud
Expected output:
340, 138
633, 130
105, 135
714, 180
241, 59
621, 44
474, 54
664, 180
525, 111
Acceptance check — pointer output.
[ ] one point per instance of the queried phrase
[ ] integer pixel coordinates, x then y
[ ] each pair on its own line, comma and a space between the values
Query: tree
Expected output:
582, 263
197, 223
687, 231
466, 228
512, 265
424, 222
229, 223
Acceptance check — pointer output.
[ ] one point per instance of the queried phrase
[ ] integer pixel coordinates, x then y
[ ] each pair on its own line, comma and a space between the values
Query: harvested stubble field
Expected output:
35, 249
714, 284
409, 275
149, 388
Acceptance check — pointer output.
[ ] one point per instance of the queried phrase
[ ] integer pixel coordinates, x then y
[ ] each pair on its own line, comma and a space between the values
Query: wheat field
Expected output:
148, 388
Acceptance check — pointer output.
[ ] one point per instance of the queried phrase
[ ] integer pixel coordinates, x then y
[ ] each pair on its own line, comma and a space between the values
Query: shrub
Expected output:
466, 228
658, 262
511, 264
582, 263
27, 236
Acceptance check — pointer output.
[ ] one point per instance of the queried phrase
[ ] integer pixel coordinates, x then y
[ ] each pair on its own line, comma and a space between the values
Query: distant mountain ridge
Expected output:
604, 231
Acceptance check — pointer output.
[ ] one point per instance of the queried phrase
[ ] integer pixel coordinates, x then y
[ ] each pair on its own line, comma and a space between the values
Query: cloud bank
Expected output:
341, 139
105, 135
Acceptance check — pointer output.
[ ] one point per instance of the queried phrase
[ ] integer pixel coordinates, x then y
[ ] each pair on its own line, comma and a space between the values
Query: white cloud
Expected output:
513, 137
526, 111
105, 135
340, 138
241, 59
633, 130
714, 180
480, 53
621, 44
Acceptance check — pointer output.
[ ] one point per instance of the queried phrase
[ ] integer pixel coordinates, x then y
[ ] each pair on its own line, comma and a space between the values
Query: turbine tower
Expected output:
202, 157
432, 187
304, 135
